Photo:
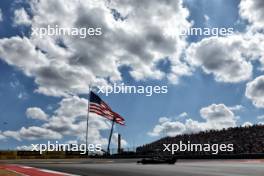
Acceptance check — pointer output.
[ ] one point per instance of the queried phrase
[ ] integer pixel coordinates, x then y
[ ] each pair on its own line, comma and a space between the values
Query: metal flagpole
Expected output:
87, 124
110, 136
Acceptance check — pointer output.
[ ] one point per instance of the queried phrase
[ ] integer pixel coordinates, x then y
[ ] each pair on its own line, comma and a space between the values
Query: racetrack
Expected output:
130, 168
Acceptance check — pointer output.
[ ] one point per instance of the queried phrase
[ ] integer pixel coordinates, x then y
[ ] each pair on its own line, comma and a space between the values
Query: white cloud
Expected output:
32, 133
255, 91
183, 115
2, 136
72, 107
216, 116
72, 142
35, 133
168, 127
260, 123
12, 134
69, 119
22, 96
36, 113
15, 84
137, 41
20, 52
247, 124
53, 77
236, 108
222, 57
253, 11
21, 17
206, 18
24, 148
261, 117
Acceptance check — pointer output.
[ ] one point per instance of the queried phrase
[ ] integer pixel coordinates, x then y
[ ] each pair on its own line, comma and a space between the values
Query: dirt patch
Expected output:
4, 172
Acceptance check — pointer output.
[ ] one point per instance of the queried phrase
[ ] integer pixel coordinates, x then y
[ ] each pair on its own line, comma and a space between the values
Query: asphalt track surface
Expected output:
123, 167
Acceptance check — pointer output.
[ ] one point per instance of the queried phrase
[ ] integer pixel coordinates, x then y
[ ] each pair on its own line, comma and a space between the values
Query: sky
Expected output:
214, 82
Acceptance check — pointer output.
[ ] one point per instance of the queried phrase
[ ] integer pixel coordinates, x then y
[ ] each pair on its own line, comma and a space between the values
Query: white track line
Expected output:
45, 170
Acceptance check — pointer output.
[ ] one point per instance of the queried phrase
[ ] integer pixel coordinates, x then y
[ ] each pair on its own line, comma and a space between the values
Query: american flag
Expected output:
98, 106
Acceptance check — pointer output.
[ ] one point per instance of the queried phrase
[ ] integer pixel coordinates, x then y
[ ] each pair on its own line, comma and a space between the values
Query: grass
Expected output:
4, 172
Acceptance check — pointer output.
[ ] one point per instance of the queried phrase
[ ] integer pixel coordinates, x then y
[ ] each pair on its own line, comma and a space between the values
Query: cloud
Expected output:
222, 57
236, 108
261, 117
32, 133
72, 107
206, 18
63, 65
36, 113
22, 96
24, 148
183, 115
70, 117
21, 17
54, 78
11, 134
2, 136
72, 142
168, 127
20, 52
260, 123
68, 120
253, 11
216, 116
247, 124
255, 91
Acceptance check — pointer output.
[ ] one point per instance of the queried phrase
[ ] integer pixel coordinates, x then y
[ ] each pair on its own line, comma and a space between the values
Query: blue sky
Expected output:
191, 93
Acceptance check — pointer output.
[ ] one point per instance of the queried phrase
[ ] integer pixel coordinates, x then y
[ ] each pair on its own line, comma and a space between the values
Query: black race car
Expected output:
158, 160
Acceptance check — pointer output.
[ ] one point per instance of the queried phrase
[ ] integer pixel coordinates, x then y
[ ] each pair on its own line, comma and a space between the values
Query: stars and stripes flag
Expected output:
98, 106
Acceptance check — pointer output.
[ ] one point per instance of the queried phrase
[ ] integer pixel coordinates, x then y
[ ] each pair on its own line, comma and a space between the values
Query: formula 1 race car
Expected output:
158, 160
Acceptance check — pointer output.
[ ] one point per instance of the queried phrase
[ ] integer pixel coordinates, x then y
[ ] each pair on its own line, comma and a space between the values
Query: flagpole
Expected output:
110, 136
87, 123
